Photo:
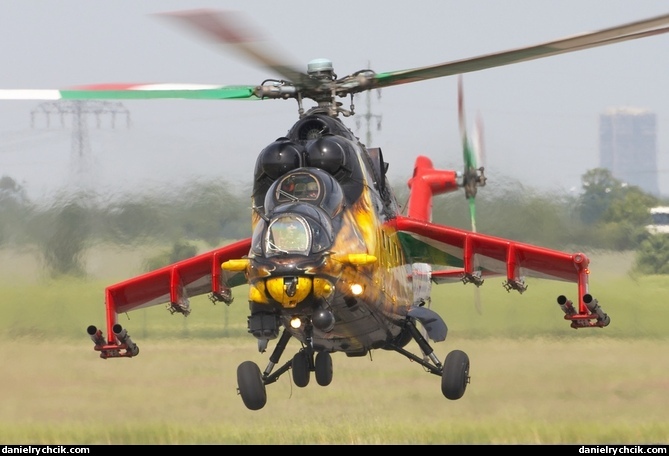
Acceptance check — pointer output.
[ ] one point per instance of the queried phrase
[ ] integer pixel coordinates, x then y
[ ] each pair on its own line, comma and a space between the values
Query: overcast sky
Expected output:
540, 117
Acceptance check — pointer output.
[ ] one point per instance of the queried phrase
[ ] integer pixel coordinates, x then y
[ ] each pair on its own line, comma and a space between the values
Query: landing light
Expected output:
356, 289
295, 322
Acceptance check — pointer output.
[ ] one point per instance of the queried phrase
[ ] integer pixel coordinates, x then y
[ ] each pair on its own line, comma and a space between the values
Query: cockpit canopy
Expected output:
306, 185
294, 228
303, 186
301, 211
288, 233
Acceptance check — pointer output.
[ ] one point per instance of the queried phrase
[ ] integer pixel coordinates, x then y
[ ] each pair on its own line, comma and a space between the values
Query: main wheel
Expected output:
251, 386
301, 370
323, 368
455, 374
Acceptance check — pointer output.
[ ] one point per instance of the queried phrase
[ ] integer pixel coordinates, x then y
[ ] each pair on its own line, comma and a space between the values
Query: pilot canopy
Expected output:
301, 212
311, 185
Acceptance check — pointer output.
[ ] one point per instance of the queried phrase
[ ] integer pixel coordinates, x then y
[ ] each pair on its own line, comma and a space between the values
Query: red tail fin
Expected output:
425, 183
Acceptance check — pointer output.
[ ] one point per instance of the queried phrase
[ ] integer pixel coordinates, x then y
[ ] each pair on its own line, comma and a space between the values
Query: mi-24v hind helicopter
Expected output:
331, 260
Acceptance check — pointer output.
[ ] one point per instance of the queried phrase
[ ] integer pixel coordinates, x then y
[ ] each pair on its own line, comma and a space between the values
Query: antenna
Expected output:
80, 111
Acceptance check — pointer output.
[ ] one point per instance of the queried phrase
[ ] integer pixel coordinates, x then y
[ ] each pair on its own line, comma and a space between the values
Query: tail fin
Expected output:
424, 184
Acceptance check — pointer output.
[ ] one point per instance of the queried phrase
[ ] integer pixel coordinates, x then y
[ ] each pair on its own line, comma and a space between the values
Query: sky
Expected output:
540, 117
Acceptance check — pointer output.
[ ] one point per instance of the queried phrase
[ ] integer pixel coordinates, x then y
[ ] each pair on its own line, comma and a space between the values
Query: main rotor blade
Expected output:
134, 92
231, 28
634, 30
468, 151
477, 141
461, 115
470, 161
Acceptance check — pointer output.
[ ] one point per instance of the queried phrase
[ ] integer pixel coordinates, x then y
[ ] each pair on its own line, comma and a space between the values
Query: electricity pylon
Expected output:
369, 117
79, 112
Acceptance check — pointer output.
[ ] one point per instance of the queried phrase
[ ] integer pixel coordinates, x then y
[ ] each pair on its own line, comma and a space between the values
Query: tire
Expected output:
301, 369
323, 367
251, 386
455, 375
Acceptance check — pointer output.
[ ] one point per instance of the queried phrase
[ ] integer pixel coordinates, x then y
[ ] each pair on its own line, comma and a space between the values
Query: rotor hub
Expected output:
320, 68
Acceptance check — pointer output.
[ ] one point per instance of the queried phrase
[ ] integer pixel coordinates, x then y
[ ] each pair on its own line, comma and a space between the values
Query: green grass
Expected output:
533, 378
522, 391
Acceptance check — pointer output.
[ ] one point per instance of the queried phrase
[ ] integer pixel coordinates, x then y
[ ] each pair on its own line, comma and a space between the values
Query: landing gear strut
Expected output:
455, 371
251, 382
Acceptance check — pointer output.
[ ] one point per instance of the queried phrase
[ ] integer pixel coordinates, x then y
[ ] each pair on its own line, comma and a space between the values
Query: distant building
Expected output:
627, 147
660, 216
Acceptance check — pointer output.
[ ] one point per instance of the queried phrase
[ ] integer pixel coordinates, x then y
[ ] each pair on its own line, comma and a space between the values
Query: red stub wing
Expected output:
467, 256
171, 285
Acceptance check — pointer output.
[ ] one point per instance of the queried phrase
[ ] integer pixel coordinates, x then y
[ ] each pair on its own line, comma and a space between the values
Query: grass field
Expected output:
533, 379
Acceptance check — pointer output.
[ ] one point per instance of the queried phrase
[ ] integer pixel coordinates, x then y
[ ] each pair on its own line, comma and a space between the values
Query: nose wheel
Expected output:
302, 365
301, 369
323, 368
251, 382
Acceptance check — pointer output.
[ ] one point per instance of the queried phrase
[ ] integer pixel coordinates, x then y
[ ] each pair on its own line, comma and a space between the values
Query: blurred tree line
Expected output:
606, 214
69, 223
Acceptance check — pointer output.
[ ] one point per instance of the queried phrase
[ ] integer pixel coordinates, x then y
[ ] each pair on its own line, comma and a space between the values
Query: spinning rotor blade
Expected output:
471, 180
134, 92
477, 141
470, 177
224, 28
230, 28
633, 30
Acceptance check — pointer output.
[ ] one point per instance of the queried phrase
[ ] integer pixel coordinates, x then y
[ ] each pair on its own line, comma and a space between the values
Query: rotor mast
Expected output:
322, 86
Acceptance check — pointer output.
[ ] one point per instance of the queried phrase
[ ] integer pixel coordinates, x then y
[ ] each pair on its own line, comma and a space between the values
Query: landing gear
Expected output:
455, 371
455, 375
251, 382
251, 385
323, 368
301, 369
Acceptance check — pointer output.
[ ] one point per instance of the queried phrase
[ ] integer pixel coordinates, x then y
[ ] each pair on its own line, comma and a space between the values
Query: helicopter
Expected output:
332, 259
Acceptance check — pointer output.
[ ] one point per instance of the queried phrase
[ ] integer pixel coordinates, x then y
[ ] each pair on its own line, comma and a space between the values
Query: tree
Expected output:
138, 219
180, 251
653, 255
15, 209
619, 211
211, 212
600, 189
630, 206
64, 246
625, 220
11, 190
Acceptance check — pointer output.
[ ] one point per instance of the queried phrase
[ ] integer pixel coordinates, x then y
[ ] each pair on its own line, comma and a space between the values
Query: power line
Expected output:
79, 113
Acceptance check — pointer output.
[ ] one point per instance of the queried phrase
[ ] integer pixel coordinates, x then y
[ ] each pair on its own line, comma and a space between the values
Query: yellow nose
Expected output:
289, 291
